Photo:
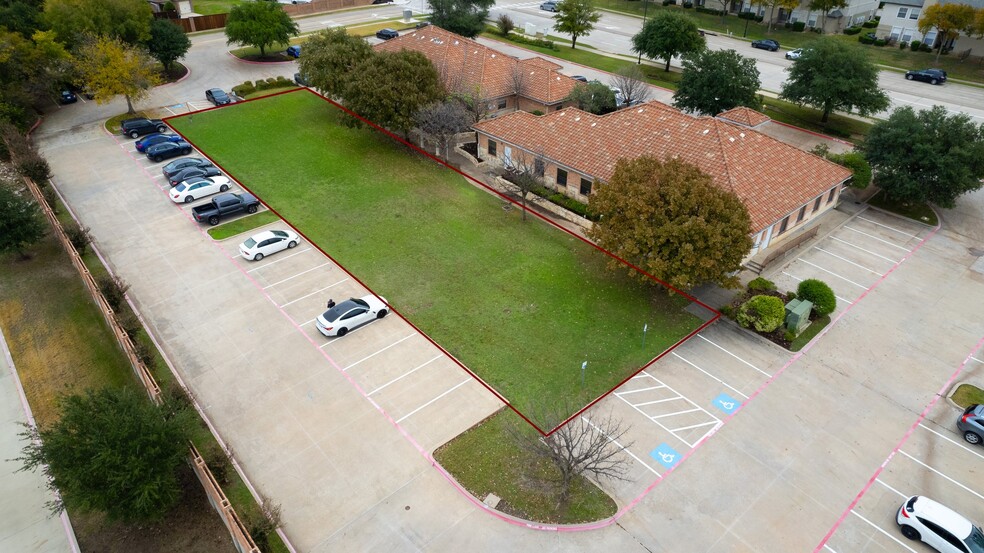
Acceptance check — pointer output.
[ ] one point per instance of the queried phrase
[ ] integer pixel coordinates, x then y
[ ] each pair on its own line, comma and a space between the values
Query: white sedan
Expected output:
268, 242
199, 187
351, 313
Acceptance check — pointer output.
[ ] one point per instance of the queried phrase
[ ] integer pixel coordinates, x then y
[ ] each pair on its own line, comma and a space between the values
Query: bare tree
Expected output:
526, 174
442, 121
519, 81
632, 82
582, 446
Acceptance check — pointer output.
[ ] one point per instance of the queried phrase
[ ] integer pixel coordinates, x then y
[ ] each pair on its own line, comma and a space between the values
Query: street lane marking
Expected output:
278, 260
408, 373
979, 496
882, 482
295, 276
404, 417
315, 292
380, 351
954, 442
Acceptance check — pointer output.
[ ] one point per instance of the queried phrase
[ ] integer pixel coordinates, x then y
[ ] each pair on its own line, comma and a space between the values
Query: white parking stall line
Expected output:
976, 359
692, 426
622, 447
900, 494
954, 482
295, 276
880, 529
336, 338
404, 417
279, 259
408, 373
305, 323
798, 279
869, 252
639, 390
828, 548
380, 351
893, 229
701, 336
876, 238
655, 401
679, 396
848, 261
729, 386
675, 413
952, 441
315, 292
845, 279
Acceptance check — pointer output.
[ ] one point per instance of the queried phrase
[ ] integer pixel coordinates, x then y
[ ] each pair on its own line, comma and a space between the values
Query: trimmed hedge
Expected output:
858, 165
764, 313
816, 291
760, 284
249, 87
565, 202
799, 26
852, 30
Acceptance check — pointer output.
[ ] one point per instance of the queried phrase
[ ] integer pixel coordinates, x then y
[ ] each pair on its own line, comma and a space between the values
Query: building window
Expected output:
812, 22
801, 214
492, 152
501, 104
903, 12
906, 35
816, 204
561, 178
914, 14
585, 186
833, 192
896, 31
783, 225
539, 167
930, 38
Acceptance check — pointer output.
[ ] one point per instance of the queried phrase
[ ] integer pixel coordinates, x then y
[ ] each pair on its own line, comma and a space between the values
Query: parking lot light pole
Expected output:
645, 13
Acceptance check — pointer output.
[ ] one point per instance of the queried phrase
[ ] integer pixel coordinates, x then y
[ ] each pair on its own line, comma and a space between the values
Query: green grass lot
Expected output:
918, 212
239, 226
522, 304
966, 395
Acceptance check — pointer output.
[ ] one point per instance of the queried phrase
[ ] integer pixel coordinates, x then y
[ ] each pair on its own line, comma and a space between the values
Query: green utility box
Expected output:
798, 315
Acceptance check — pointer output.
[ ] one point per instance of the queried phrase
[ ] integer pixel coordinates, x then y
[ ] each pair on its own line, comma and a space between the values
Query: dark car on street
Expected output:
386, 34
167, 150
155, 138
68, 97
138, 127
217, 96
185, 163
294, 51
192, 173
931, 76
766, 44
971, 423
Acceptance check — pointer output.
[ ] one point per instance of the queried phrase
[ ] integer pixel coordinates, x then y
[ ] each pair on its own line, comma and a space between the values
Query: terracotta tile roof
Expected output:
770, 177
464, 64
744, 116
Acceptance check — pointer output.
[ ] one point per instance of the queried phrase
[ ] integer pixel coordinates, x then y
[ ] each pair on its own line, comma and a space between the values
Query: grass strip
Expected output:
242, 225
811, 331
916, 211
967, 394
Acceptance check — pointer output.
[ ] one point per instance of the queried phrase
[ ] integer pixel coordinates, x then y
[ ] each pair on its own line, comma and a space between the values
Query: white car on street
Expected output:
268, 242
199, 187
922, 519
351, 313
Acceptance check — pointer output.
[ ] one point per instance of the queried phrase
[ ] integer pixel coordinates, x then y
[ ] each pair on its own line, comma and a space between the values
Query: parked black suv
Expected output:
135, 128
386, 34
931, 76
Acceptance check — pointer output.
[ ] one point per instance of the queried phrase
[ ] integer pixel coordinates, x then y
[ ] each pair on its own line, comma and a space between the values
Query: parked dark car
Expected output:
931, 76
138, 127
294, 51
766, 44
386, 34
185, 163
381, 1
193, 173
155, 138
581, 78
301, 80
971, 423
167, 150
68, 97
223, 205
422, 24
217, 96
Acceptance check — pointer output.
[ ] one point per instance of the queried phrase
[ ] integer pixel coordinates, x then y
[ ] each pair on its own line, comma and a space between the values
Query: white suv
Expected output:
921, 518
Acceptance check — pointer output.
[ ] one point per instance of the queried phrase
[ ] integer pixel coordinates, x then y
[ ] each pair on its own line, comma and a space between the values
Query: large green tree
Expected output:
593, 97
464, 17
576, 18
669, 219
72, 20
830, 75
30, 69
259, 24
390, 88
111, 68
668, 33
21, 223
22, 16
112, 451
717, 80
168, 43
330, 57
926, 156
948, 20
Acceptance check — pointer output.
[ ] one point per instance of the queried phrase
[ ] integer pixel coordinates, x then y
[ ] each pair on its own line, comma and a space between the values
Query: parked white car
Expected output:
922, 519
268, 242
350, 314
199, 187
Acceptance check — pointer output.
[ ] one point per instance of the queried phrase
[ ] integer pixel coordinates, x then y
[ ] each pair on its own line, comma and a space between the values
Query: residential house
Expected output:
782, 187
854, 13
900, 21
468, 67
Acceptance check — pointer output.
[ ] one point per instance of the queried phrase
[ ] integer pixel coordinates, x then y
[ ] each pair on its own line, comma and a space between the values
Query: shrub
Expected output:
700, 9
129, 323
799, 26
727, 311
817, 291
925, 47
669, 2
688, 5
789, 335
790, 296
915, 45
880, 42
856, 162
505, 24
217, 460
764, 313
114, 289
852, 30
34, 167
145, 353
542, 43
760, 284
79, 237
537, 112
244, 89
903, 45
870, 24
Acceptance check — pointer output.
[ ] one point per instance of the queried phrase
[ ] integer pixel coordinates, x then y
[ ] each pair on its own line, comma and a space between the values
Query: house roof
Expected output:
770, 177
742, 115
891, 4
465, 65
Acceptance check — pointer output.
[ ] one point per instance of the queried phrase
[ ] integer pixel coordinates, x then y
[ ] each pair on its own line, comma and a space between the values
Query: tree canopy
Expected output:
390, 88
833, 75
671, 220
30, 69
73, 20
576, 18
111, 68
330, 58
22, 16
773, 4
668, 33
714, 81
112, 451
593, 97
927, 156
463, 17
21, 223
259, 24
948, 20
824, 7
168, 42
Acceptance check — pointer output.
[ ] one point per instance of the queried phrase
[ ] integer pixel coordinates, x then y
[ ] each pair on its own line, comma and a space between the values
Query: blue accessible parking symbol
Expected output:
666, 455
726, 403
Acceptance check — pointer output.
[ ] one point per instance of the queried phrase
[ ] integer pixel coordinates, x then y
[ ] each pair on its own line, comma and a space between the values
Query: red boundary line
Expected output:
502, 398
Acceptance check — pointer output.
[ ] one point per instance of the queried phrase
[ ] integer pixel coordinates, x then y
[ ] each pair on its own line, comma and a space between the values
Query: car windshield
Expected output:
279, 233
249, 243
976, 540
335, 312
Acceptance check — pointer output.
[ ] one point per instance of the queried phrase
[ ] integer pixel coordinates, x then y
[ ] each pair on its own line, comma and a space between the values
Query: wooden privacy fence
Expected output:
240, 536
318, 6
218, 20
197, 22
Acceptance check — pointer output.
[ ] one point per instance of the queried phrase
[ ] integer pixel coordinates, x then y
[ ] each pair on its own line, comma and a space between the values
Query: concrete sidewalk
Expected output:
25, 523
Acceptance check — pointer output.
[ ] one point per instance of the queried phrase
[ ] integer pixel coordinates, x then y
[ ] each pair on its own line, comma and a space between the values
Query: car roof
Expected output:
261, 236
925, 507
